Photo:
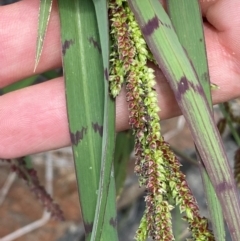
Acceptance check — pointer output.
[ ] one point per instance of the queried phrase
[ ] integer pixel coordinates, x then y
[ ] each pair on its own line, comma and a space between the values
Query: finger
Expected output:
223, 72
34, 119
18, 35
223, 40
27, 119
223, 15
19, 42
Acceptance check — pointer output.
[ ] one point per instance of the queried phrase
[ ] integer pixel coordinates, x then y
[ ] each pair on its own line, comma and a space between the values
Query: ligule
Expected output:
157, 167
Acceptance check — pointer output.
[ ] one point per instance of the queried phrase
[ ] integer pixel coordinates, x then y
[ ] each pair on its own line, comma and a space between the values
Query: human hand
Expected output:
34, 119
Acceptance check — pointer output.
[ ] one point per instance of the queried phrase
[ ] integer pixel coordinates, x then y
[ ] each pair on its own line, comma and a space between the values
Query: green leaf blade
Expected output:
187, 21
84, 98
43, 19
104, 216
81, 49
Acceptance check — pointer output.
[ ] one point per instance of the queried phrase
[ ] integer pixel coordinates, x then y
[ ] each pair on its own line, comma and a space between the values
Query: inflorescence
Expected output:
156, 165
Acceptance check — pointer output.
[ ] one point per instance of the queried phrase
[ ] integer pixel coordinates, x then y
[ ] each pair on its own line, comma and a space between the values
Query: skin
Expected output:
34, 119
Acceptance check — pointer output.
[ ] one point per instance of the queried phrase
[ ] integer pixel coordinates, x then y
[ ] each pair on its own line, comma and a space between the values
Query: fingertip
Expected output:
221, 14
33, 120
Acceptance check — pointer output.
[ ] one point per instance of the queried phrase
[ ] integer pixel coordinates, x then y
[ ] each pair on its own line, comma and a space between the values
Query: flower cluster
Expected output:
150, 166
183, 197
122, 53
156, 166
143, 118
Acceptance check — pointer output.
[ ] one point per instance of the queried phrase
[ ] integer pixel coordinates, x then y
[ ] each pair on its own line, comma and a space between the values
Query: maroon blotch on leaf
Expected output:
106, 74
150, 26
97, 128
78, 136
66, 45
95, 44
113, 222
184, 85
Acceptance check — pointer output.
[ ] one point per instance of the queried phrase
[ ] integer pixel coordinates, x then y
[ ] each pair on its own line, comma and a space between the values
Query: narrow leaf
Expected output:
187, 21
19, 85
108, 143
81, 49
43, 19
